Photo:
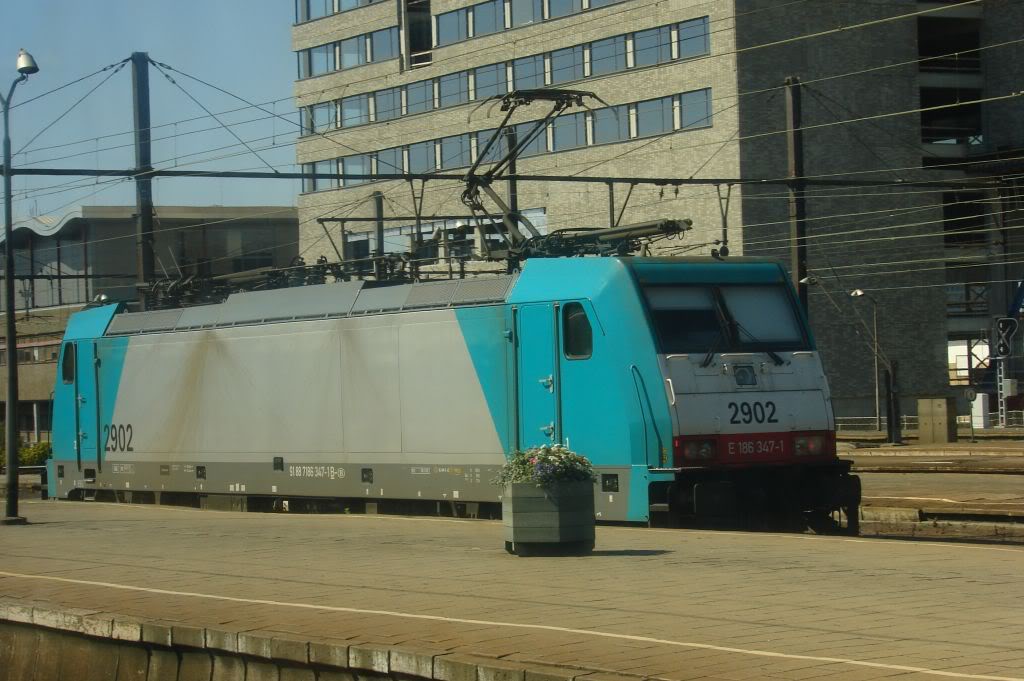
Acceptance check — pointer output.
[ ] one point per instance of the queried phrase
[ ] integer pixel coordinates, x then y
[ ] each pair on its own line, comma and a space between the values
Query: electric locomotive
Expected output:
693, 385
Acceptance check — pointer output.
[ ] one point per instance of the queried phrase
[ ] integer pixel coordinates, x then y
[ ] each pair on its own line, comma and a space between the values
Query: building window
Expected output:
353, 52
390, 161
654, 117
490, 81
694, 39
957, 124
452, 27
387, 104
526, 12
497, 150
321, 117
384, 44
568, 131
419, 96
455, 152
421, 157
611, 124
577, 336
454, 89
528, 73
357, 165
963, 218
328, 167
594, 4
307, 10
567, 65
538, 145
321, 59
355, 110
652, 47
561, 8
488, 17
695, 109
608, 56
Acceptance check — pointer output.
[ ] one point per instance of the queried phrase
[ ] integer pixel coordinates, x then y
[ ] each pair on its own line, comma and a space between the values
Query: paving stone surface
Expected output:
660, 604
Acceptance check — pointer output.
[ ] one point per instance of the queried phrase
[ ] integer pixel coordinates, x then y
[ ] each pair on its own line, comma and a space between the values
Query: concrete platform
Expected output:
660, 604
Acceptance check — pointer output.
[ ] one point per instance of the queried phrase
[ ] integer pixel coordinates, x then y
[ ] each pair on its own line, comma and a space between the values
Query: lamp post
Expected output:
892, 403
26, 66
857, 293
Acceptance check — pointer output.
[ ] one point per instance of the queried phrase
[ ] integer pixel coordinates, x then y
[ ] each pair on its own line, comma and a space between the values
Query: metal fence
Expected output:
854, 424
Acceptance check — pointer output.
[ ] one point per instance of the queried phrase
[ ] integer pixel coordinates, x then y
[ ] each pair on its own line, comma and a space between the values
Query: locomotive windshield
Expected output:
724, 318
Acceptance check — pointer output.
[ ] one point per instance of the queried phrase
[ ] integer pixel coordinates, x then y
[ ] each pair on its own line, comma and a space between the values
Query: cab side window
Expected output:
577, 336
67, 364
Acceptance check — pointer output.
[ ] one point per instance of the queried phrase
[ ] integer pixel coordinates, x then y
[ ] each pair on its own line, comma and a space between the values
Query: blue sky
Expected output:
242, 46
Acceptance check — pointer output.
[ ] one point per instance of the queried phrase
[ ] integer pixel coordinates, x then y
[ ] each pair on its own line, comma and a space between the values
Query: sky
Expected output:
241, 46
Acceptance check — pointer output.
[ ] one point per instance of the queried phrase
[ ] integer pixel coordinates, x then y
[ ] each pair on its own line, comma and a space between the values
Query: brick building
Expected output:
695, 90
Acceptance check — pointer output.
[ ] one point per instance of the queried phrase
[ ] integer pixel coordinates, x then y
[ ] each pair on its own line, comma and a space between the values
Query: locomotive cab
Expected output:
753, 429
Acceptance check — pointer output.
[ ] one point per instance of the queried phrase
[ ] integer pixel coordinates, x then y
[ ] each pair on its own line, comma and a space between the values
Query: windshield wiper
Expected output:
710, 355
771, 354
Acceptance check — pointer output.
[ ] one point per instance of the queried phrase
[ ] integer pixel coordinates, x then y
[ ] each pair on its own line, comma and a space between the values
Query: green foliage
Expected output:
35, 455
546, 465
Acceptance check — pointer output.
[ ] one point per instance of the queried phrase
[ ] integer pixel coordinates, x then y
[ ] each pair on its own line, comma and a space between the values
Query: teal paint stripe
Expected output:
91, 322
483, 329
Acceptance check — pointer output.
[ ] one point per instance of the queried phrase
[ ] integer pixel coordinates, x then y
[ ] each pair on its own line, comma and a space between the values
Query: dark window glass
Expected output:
419, 96
451, 27
696, 109
421, 157
384, 44
496, 151
537, 146
611, 124
526, 12
652, 47
353, 52
454, 88
568, 131
388, 104
356, 164
303, 57
578, 338
321, 59
390, 161
963, 219
488, 17
601, 3
455, 151
67, 364
329, 167
301, 11
561, 8
567, 64
490, 81
694, 38
323, 116
608, 56
355, 110
654, 117
685, 319
528, 73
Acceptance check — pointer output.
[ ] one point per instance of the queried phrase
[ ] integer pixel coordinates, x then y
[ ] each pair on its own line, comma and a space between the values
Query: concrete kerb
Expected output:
167, 648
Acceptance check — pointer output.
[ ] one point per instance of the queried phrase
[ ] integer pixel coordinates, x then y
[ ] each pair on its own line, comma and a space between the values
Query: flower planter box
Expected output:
558, 518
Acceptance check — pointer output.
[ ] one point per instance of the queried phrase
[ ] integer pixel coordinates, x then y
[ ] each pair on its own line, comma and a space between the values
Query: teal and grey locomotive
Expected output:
692, 384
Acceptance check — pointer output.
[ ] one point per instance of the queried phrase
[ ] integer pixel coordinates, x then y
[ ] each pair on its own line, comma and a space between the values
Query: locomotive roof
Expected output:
541, 278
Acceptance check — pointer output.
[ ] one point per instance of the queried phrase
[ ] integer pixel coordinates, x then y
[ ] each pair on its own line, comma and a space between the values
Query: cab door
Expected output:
539, 386
87, 412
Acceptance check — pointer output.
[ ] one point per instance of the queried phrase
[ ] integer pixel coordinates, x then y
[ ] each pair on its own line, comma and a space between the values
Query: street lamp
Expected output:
892, 405
26, 66
858, 293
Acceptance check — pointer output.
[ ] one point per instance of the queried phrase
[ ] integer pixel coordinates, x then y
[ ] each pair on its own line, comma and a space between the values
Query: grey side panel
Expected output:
431, 294
142, 322
382, 299
482, 290
324, 300
200, 317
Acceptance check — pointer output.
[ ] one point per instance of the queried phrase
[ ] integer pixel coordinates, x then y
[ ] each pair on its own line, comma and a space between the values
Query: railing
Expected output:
867, 424
936, 134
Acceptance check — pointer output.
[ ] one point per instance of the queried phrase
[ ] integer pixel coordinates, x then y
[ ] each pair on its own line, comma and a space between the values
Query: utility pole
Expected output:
143, 165
797, 200
378, 250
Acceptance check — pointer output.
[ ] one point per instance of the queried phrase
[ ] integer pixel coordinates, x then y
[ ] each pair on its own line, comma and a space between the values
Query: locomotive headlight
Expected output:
699, 450
808, 445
